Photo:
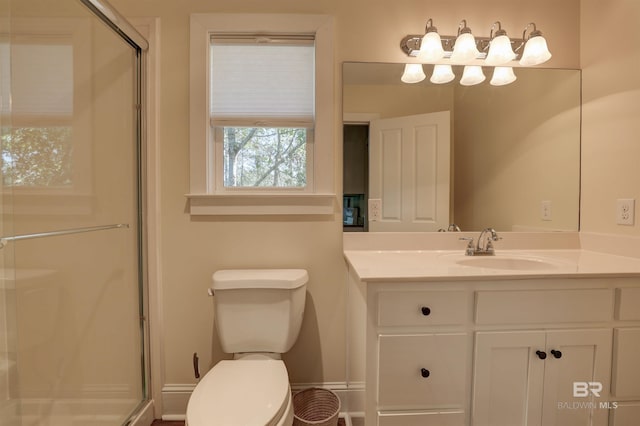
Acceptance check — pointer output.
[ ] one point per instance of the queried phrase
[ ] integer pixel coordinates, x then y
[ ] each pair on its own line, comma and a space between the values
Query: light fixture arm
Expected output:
462, 27
499, 31
535, 33
429, 28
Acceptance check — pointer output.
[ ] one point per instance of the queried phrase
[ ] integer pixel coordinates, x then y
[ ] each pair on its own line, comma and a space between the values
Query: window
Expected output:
261, 114
38, 152
261, 103
47, 139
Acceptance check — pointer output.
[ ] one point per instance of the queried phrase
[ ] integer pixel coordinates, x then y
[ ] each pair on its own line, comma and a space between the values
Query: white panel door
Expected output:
409, 170
577, 356
508, 378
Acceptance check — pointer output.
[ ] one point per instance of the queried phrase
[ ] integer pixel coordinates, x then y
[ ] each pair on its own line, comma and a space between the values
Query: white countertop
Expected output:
449, 265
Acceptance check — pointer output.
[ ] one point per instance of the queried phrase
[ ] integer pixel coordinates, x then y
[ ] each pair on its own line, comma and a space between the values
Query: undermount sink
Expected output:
508, 263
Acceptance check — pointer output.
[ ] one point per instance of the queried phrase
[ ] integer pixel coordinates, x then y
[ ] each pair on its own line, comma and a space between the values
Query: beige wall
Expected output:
611, 113
366, 30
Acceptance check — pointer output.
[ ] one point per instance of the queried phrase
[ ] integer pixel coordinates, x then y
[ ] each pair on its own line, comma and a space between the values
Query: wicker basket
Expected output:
315, 407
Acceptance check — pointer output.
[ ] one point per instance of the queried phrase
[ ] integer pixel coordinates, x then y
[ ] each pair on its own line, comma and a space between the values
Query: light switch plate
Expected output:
375, 209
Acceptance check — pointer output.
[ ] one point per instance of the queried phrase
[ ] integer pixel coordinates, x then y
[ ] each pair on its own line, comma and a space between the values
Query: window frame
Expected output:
206, 196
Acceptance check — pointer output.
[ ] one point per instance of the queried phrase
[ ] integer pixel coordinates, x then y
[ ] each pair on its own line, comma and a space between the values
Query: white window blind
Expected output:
263, 80
41, 79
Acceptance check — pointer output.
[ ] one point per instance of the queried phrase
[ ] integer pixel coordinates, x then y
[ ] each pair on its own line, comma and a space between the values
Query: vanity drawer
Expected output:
627, 303
434, 418
422, 371
409, 308
544, 306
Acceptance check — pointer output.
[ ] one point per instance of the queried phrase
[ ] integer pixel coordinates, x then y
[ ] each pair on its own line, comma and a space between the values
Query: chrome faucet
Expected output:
484, 246
452, 228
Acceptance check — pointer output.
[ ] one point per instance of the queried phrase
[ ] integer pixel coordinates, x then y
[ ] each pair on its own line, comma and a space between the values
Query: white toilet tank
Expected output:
259, 310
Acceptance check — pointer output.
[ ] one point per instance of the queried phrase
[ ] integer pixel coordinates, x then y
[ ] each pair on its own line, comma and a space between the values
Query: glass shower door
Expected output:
71, 218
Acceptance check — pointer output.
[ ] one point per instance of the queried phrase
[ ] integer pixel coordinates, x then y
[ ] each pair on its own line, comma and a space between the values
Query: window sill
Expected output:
261, 204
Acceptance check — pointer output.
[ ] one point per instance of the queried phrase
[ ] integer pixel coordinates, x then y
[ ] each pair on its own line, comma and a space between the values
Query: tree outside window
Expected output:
265, 157
37, 157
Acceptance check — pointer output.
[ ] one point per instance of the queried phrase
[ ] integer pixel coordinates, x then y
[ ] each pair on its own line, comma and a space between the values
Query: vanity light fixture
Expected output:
500, 50
502, 76
465, 49
431, 49
413, 73
472, 75
442, 74
535, 50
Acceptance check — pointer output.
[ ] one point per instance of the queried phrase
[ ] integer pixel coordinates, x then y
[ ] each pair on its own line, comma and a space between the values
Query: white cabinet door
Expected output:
626, 374
508, 378
526, 378
409, 171
582, 357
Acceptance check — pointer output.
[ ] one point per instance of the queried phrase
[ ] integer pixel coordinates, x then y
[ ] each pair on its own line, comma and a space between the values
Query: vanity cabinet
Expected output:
527, 377
503, 352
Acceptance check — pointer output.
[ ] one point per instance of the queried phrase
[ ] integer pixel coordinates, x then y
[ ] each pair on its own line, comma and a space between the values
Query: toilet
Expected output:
258, 313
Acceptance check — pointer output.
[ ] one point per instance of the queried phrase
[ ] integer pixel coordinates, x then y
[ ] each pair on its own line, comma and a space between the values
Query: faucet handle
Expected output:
470, 249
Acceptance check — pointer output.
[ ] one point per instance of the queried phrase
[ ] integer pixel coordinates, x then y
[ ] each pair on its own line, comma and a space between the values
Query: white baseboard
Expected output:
174, 400
176, 396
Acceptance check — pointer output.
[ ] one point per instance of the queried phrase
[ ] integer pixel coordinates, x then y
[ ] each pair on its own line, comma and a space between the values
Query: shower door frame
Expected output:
112, 18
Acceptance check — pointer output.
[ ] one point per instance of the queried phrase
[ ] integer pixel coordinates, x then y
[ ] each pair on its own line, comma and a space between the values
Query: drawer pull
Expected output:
425, 373
425, 310
541, 354
556, 354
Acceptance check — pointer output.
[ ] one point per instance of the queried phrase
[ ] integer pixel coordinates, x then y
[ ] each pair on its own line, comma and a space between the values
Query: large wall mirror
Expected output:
424, 156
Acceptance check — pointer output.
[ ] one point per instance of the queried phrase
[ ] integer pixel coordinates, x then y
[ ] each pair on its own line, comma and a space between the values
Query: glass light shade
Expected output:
502, 76
413, 73
431, 48
535, 52
464, 50
472, 75
442, 74
500, 51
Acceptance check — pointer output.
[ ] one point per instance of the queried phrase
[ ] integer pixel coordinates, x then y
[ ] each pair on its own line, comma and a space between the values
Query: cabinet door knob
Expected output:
541, 354
425, 310
556, 354
425, 373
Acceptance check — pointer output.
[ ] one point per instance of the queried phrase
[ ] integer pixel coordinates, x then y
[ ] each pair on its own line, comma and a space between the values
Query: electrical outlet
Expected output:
375, 209
545, 210
625, 211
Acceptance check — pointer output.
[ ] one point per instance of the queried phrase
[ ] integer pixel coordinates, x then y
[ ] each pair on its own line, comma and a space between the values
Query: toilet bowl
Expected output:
258, 314
242, 393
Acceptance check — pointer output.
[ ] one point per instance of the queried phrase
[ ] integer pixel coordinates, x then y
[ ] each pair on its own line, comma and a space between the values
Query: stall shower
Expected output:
72, 256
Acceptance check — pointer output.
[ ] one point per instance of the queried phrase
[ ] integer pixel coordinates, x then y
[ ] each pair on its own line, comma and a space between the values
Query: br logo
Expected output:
583, 389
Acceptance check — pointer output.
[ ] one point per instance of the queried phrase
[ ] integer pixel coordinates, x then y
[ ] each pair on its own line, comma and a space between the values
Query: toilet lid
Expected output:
240, 393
